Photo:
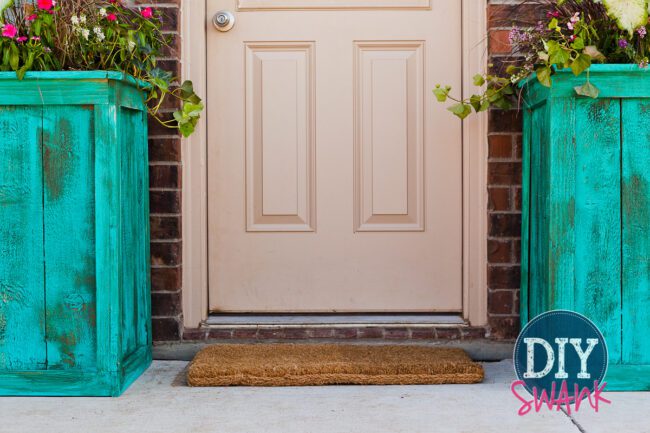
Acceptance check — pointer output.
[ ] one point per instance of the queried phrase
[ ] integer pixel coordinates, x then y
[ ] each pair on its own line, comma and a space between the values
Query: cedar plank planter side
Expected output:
586, 210
75, 315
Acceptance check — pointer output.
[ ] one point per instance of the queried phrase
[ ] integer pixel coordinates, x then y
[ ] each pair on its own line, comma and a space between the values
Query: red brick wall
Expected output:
165, 179
504, 177
504, 214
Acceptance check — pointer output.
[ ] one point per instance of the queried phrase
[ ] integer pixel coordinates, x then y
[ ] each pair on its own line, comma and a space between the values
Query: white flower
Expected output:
82, 19
100, 34
85, 33
75, 20
131, 45
102, 12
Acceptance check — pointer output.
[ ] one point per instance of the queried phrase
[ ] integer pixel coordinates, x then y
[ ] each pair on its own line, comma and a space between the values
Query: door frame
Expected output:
195, 174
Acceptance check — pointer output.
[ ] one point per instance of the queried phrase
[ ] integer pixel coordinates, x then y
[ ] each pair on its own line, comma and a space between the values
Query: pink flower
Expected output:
9, 31
22, 39
147, 13
45, 4
32, 17
111, 17
36, 38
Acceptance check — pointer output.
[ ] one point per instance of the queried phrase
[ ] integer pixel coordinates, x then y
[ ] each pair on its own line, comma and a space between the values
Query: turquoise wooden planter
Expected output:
74, 234
586, 210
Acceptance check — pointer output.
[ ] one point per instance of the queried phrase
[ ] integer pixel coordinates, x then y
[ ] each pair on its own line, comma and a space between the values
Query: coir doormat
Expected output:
330, 364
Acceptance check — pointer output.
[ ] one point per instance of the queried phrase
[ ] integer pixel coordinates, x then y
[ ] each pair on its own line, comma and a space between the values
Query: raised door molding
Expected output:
280, 137
389, 136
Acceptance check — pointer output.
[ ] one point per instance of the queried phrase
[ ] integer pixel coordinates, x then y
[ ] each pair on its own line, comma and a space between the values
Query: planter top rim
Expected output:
606, 68
76, 75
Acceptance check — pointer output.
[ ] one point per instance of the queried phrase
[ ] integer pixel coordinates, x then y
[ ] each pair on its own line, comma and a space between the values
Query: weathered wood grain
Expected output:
143, 281
586, 238
597, 289
130, 227
561, 187
525, 219
22, 295
539, 150
107, 235
75, 218
636, 231
69, 207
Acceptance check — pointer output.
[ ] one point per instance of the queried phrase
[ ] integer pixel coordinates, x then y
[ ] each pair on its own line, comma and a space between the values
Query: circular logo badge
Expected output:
560, 346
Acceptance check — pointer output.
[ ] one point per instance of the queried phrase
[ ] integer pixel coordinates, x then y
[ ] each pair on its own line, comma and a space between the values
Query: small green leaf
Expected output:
544, 75
553, 24
441, 93
593, 52
587, 89
580, 64
475, 102
461, 110
479, 80
503, 103
187, 89
187, 92
560, 57
186, 129
578, 44
14, 57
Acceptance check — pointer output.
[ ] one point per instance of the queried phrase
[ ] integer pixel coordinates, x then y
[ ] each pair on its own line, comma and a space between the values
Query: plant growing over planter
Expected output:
85, 35
575, 35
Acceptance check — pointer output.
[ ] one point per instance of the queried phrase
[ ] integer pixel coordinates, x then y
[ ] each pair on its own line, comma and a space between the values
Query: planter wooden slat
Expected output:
636, 230
22, 326
597, 217
74, 281
586, 210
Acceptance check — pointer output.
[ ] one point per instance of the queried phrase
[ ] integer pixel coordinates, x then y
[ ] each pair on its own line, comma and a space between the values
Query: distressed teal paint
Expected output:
22, 317
636, 231
597, 228
586, 210
75, 314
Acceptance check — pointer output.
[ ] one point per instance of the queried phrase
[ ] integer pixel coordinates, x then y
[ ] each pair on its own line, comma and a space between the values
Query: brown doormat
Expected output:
330, 364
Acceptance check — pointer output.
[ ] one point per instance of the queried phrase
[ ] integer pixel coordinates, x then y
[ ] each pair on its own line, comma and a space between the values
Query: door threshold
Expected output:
333, 320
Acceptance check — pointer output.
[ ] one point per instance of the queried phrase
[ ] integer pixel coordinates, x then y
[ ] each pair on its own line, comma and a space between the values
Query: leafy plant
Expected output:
575, 35
74, 35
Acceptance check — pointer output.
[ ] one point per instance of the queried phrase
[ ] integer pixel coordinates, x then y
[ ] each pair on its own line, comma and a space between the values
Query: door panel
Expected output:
280, 136
335, 179
389, 141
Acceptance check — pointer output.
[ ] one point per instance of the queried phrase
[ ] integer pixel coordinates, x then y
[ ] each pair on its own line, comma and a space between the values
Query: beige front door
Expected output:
334, 178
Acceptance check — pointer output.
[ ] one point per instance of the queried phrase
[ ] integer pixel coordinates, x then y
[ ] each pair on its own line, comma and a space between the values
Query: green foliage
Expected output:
577, 34
629, 14
96, 35
587, 89
497, 94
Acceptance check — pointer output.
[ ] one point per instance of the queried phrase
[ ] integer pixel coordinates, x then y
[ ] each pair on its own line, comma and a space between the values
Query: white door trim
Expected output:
194, 160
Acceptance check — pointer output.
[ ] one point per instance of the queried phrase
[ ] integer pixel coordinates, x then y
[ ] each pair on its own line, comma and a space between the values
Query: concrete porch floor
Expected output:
160, 402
